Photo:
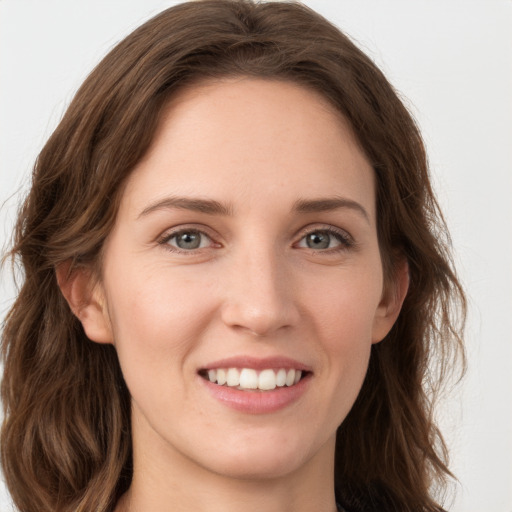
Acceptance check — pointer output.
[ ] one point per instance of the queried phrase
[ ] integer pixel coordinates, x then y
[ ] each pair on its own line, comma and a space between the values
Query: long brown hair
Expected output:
66, 439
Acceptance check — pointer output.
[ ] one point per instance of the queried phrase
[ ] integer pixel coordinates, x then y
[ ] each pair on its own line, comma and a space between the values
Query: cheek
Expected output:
157, 317
345, 305
154, 301
343, 316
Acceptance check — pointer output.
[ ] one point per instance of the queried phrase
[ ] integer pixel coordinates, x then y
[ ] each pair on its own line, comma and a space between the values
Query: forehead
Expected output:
251, 141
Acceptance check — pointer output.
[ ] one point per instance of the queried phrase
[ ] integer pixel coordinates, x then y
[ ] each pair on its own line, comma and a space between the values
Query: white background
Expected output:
451, 59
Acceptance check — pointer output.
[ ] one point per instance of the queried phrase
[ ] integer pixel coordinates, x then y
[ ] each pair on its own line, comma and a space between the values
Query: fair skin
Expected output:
246, 238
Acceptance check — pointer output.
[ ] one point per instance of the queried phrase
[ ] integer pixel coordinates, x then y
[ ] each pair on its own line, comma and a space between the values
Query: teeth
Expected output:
233, 377
221, 377
281, 377
248, 378
267, 380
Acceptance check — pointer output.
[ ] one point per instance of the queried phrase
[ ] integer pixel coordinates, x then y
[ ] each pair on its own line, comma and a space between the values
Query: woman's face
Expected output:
245, 247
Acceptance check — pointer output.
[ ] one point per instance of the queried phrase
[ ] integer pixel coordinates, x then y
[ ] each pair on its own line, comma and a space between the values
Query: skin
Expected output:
253, 288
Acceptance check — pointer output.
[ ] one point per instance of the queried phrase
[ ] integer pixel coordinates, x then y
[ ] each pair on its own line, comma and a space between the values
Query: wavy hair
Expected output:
66, 435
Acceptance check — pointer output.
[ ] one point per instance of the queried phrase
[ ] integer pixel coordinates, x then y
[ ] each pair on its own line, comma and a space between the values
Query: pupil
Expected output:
318, 240
188, 241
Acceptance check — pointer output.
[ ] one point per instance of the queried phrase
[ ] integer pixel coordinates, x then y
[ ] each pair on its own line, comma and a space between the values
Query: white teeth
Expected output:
267, 380
248, 378
290, 377
221, 377
281, 378
233, 377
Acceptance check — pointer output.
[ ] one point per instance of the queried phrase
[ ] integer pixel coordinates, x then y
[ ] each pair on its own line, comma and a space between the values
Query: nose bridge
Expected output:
259, 291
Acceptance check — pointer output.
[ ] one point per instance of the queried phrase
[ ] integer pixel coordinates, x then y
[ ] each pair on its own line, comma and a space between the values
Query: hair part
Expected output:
66, 437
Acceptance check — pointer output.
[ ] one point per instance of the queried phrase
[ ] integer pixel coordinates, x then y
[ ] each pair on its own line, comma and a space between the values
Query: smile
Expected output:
249, 379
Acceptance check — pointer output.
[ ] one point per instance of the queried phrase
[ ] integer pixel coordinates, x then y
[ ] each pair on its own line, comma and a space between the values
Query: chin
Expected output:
262, 459
258, 468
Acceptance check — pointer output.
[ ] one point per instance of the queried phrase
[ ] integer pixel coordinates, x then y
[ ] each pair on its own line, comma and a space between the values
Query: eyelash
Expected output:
166, 238
345, 240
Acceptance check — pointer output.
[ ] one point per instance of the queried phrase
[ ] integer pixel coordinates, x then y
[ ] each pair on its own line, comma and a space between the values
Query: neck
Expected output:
235, 496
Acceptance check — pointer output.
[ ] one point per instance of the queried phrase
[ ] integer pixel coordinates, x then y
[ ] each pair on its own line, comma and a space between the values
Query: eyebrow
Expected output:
329, 204
208, 206
212, 207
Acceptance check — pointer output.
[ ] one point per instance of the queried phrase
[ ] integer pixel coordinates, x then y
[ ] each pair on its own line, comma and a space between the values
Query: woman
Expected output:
235, 278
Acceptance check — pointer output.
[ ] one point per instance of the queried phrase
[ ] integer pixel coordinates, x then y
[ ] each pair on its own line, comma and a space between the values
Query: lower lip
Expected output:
258, 402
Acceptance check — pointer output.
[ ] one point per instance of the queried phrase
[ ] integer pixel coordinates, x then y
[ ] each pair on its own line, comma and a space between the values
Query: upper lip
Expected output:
258, 363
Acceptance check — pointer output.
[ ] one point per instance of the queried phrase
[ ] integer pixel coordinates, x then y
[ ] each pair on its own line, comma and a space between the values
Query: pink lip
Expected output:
258, 402
258, 363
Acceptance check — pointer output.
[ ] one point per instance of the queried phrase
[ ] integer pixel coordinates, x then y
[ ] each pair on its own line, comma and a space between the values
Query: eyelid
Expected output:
170, 233
345, 238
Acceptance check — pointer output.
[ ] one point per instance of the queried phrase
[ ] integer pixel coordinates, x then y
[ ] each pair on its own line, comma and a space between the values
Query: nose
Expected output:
259, 294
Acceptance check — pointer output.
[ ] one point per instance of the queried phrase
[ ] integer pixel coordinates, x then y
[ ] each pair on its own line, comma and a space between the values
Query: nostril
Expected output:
260, 309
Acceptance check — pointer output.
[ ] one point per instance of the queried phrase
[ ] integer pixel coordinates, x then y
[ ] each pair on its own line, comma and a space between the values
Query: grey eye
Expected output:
322, 239
318, 240
188, 240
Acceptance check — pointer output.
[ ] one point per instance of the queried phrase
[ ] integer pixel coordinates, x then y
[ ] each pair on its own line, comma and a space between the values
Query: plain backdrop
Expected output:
452, 62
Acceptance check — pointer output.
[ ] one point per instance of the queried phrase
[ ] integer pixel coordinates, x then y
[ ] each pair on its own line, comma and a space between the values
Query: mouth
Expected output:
250, 379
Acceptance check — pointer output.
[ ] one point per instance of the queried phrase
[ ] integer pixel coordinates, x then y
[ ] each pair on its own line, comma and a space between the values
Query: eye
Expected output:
187, 240
325, 239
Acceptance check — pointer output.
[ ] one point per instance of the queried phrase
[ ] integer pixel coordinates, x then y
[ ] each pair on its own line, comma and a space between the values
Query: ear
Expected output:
391, 302
86, 299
